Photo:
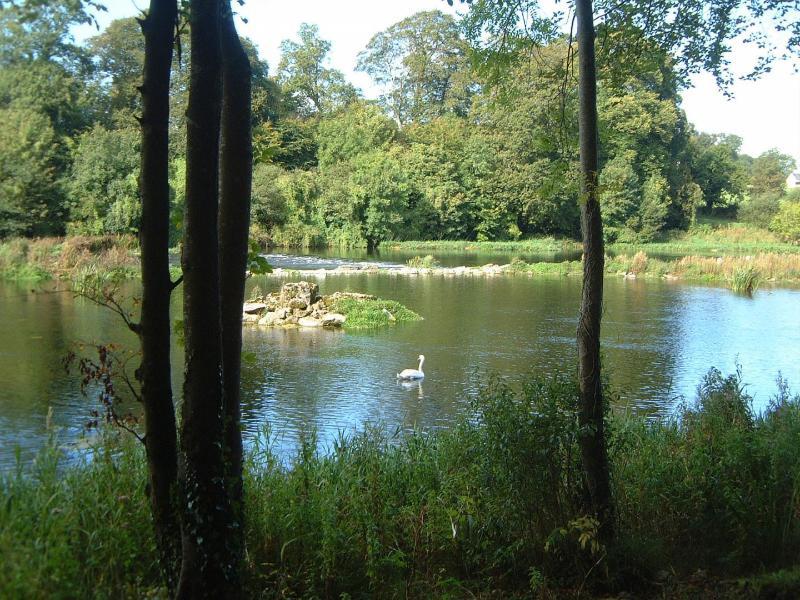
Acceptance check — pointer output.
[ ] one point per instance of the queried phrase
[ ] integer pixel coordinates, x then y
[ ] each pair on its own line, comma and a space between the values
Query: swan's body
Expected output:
413, 373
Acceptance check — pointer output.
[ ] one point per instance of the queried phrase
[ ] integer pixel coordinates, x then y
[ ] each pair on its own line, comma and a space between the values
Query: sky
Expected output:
764, 113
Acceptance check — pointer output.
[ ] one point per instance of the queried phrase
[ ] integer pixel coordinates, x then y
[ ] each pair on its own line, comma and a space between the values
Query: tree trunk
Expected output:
236, 168
591, 412
154, 327
207, 562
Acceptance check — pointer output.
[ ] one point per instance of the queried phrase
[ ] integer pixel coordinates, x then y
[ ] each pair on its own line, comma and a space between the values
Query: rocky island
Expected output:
299, 304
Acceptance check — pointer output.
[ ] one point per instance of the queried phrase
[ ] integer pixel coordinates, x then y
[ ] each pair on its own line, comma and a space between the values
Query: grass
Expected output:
741, 273
709, 236
366, 314
73, 258
487, 508
423, 262
544, 245
745, 280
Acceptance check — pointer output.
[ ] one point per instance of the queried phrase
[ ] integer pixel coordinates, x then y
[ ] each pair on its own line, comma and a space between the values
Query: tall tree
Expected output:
206, 561
313, 87
422, 64
591, 406
161, 440
236, 172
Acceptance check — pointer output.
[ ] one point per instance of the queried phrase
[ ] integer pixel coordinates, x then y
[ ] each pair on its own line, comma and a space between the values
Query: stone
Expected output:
271, 319
254, 307
298, 304
333, 320
303, 291
309, 322
250, 318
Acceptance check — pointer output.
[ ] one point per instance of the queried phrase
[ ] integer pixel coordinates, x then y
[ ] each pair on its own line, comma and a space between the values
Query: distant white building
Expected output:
793, 180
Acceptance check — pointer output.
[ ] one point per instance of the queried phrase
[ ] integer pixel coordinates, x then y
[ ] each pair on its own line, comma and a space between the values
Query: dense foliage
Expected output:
446, 152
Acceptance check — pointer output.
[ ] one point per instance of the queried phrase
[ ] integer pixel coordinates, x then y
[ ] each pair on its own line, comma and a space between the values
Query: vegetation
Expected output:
370, 313
742, 273
489, 506
423, 262
69, 258
445, 153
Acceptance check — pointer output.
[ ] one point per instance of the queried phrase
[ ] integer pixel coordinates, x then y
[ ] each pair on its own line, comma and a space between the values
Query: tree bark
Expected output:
591, 411
236, 168
154, 328
207, 563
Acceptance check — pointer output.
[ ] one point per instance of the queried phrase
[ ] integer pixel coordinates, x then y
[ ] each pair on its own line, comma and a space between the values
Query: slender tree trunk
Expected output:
591, 410
207, 561
154, 329
236, 168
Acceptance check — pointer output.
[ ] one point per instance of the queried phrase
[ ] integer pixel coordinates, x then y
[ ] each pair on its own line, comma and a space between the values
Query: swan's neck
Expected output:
421, 360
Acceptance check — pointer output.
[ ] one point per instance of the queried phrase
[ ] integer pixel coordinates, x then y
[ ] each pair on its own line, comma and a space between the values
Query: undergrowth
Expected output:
490, 507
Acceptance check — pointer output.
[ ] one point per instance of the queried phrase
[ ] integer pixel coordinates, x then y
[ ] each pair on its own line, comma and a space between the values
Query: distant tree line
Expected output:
447, 151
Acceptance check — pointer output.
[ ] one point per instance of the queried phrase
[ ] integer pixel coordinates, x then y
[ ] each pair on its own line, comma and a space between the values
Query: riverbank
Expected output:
740, 273
701, 240
74, 259
707, 503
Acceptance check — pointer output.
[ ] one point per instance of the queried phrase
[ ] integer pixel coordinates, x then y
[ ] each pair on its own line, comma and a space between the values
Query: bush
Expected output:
786, 222
760, 210
423, 262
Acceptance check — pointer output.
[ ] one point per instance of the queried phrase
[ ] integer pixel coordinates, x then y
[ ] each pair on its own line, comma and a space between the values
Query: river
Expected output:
659, 339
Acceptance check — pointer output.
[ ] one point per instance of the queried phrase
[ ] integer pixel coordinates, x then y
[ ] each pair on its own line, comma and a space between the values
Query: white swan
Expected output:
413, 373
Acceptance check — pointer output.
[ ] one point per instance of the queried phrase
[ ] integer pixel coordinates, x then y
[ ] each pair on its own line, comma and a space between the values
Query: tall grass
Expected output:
68, 258
745, 280
489, 507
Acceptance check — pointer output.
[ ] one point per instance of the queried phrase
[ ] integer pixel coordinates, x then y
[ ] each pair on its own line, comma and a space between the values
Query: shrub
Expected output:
786, 222
760, 210
420, 262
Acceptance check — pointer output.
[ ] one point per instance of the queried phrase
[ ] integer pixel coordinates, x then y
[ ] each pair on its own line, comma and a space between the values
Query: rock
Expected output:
302, 291
298, 304
333, 320
254, 307
271, 319
309, 322
250, 318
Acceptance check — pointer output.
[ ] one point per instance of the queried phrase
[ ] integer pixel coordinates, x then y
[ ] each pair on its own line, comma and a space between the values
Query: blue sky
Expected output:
765, 113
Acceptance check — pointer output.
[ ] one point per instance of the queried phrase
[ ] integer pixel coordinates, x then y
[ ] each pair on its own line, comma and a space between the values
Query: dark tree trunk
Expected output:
154, 329
591, 410
236, 167
207, 562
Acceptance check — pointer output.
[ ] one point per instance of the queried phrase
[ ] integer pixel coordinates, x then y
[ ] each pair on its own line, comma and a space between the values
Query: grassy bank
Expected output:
717, 238
72, 258
488, 508
728, 270
545, 245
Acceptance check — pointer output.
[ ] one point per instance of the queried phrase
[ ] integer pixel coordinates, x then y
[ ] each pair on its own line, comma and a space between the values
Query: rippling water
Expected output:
659, 338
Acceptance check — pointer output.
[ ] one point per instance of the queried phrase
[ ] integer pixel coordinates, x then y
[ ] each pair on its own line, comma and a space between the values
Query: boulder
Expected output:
303, 291
333, 320
271, 319
250, 318
254, 308
309, 322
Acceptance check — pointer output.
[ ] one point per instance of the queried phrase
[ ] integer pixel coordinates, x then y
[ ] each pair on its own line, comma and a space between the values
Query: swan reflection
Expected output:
412, 385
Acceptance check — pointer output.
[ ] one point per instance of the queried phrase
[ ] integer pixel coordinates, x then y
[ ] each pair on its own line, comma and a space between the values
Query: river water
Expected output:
659, 339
